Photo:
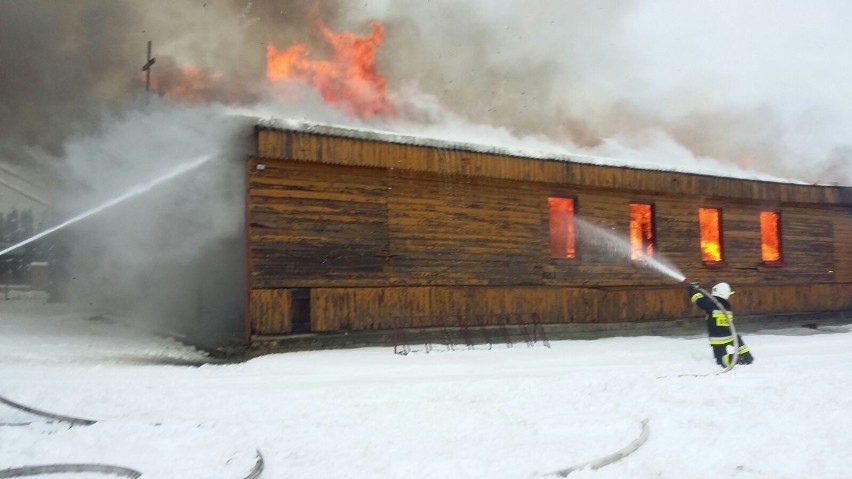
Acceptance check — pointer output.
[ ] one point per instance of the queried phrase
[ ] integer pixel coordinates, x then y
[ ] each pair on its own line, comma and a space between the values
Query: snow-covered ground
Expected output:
517, 412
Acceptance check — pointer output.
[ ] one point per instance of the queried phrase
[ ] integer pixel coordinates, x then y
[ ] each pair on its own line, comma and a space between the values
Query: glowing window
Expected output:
562, 242
770, 237
641, 230
711, 235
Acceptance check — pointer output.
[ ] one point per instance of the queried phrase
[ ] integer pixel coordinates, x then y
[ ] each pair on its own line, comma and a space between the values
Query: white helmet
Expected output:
722, 290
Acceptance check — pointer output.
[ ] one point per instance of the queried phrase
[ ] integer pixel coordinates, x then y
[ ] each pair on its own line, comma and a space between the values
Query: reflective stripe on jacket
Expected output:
718, 321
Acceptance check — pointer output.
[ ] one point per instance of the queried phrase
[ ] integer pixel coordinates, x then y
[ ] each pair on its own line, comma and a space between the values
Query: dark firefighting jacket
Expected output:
718, 321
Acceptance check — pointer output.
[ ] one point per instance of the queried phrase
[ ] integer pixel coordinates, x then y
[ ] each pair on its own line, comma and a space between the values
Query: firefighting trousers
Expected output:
720, 351
720, 337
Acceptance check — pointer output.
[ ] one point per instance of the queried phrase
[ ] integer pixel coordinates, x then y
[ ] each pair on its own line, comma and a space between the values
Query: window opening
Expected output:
770, 237
641, 230
711, 235
562, 228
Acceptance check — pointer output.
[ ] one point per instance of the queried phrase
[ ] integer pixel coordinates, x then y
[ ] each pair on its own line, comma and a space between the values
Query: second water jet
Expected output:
621, 246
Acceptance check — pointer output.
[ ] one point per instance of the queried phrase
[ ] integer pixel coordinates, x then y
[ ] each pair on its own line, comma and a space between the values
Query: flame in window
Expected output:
769, 238
641, 231
562, 242
711, 249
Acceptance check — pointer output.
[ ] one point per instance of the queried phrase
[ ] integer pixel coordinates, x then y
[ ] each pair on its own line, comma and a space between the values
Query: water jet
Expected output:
132, 192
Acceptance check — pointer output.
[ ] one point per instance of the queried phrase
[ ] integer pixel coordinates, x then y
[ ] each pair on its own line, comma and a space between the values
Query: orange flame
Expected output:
348, 80
190, 84
562, 243
708, 219
641, 231
769, 239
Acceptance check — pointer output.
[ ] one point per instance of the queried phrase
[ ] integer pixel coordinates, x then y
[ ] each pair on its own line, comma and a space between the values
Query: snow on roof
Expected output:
508, 145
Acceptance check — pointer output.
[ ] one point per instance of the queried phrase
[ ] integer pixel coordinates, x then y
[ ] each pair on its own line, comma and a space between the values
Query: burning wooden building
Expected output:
349, 230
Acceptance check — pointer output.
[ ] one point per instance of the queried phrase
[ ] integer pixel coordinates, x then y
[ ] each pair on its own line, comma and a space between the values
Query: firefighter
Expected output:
718, 330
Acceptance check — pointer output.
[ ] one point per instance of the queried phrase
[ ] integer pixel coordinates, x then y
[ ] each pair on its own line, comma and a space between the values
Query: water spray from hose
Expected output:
622, 247
135, 191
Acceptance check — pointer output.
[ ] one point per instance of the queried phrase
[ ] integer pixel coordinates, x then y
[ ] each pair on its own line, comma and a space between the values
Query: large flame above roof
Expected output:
348, 79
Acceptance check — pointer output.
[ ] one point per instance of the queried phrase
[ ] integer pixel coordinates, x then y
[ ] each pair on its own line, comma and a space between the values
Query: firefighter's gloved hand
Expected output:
693, 285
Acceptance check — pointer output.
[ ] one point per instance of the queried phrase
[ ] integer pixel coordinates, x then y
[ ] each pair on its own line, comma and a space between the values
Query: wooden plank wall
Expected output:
377, 308
316, 222
461, 230
342, 150
807, 241
270, 311
315, 225
379, 230
843, 247
792, 298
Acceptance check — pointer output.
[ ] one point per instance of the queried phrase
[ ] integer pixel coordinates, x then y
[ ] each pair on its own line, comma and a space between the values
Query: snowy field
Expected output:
520, 412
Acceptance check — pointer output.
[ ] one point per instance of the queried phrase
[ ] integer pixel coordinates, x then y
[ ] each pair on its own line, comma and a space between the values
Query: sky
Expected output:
757, 84
519, 412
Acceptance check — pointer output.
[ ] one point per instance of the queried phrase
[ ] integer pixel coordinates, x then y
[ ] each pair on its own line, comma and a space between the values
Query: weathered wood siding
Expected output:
377, 308
843, 246
335, 149
270, 310
757, 299
454, 230
335, 309
379, 230
316, 222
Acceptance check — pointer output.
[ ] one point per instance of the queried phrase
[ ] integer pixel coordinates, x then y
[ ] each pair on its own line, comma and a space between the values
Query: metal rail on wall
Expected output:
467, 330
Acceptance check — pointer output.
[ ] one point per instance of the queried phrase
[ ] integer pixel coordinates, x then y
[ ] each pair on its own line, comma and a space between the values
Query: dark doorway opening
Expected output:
300, 310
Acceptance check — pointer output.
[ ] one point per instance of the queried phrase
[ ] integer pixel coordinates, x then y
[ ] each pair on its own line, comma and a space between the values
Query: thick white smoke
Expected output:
760, 85
150, 256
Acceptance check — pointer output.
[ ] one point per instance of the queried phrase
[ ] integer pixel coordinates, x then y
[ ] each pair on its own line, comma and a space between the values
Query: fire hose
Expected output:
120, 471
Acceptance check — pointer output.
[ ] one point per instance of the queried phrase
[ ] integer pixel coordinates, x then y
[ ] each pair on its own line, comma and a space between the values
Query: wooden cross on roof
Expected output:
147, 68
